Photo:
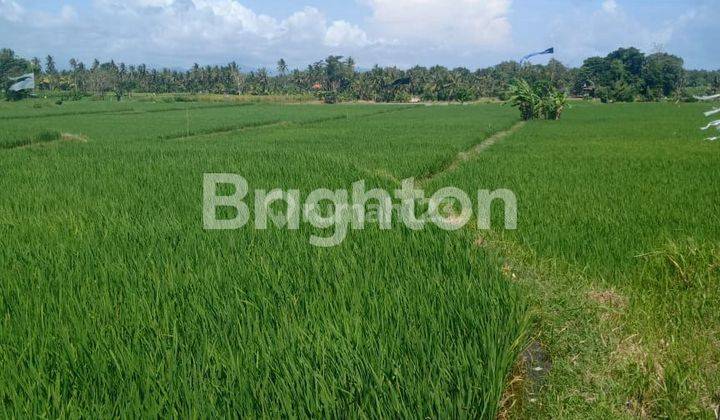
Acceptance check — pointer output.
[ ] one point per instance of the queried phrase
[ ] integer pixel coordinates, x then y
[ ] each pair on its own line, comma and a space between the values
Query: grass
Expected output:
42, 136
115, 301
137, 122
618, 245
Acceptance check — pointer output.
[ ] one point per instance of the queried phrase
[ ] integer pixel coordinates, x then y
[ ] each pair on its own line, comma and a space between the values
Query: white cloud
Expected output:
305, 26
177, 33
443, 23
11, 11
609, 27
342, 33
204, 29
180, 32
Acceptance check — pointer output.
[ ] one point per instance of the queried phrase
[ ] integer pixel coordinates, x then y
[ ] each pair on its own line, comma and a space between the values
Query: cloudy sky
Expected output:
255, 33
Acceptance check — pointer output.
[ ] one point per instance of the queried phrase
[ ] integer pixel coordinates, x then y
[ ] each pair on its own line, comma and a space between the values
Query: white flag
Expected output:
715, 123
713, 112
707, 98
24, 82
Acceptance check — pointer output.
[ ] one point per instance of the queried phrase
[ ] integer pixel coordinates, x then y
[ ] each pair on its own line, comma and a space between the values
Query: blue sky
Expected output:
256, 33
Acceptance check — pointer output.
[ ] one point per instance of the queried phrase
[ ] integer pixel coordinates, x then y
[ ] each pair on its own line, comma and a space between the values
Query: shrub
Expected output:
463, 95
603, 94
402, 96
329, 97
622, 92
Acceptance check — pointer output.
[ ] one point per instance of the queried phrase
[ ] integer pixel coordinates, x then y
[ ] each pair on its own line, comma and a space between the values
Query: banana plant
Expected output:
525, 98
554, 104
539, 101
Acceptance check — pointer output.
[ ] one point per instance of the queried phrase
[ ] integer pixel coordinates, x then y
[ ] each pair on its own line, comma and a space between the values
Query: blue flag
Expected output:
548, 51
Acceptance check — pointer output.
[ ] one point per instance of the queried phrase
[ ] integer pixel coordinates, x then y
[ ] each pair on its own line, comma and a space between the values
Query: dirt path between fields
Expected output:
472, 152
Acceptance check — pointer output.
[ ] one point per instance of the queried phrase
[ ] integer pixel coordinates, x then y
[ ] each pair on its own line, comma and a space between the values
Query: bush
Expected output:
463, 95
603, 94
402, 96
683, 95
622, 92
15, 96
329, 97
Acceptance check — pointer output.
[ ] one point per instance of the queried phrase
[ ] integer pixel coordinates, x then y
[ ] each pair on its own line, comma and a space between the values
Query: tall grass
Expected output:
115, 302
42, 136
621, 203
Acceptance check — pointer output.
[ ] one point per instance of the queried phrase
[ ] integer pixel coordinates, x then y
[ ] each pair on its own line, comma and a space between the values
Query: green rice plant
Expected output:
115, 302
618, 218
42, 136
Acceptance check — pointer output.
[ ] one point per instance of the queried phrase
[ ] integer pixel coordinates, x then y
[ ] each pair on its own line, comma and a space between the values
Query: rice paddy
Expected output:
116, 302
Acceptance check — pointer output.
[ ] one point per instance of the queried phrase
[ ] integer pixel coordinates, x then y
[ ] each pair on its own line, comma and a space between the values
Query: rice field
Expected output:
115, 302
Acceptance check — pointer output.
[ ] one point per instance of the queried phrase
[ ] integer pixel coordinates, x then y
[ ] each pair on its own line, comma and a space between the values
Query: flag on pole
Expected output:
24, 82
529, 56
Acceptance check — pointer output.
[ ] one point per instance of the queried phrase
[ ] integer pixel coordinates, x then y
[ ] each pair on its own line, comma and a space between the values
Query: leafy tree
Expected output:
622, 91
715, 84
51, 72
36, 66
463, 94
603, 93
663, 74
11, 65
631, 58
622, 75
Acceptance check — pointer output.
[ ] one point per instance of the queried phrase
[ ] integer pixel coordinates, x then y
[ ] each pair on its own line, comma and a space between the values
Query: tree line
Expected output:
626, 74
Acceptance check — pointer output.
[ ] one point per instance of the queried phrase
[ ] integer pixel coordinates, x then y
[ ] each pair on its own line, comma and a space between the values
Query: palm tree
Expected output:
282, 67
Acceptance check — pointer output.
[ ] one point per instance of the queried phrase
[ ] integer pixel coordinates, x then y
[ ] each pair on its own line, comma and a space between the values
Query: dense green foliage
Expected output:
627, 74
624, 75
